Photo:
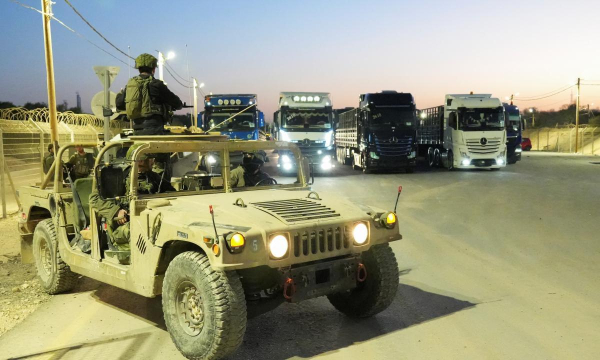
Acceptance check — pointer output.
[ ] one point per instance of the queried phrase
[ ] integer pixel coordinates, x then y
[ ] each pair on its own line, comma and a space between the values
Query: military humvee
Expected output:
213, 251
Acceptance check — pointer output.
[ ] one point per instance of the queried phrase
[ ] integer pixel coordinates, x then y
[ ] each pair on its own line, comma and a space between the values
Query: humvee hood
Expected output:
267, 209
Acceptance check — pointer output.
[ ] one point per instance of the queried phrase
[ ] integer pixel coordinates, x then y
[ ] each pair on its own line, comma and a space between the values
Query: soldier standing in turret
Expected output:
147, 100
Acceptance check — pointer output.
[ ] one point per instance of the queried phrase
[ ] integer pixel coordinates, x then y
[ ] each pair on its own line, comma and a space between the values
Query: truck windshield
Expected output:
481, 119
318, 119
514, 122
392, 117
242, 122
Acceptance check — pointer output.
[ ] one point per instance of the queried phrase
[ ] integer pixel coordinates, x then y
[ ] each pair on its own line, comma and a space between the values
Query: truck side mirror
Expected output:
261, 120
452, 121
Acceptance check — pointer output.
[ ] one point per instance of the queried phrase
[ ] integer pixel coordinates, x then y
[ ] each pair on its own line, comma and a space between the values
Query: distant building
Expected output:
78, 101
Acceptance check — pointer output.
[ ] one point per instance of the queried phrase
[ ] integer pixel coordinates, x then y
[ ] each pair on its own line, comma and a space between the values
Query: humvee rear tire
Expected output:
204, 309
378, 290
55, 275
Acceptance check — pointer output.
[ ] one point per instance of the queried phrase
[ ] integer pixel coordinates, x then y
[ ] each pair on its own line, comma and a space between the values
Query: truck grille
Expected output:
492, 146
296, 210
401, 146
319, 241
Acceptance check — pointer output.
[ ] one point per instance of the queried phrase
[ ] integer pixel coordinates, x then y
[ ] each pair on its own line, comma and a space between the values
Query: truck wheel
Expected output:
204, 309
430, 157
437, 157
450, 161
378, 290
365, 165
55, 275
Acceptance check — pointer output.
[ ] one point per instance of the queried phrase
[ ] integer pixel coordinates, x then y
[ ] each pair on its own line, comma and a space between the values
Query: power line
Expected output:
181, 77
174, 78
96, 31
68, 28
546, 96
550, 92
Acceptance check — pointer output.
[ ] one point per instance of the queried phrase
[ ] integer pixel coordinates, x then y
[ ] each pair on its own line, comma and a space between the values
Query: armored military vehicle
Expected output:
211, 250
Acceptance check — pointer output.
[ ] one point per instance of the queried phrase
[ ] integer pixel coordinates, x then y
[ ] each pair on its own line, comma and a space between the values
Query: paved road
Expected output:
495, 265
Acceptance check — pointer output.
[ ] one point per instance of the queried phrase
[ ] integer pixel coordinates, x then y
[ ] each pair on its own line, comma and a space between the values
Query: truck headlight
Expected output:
278, 246
360, 233
518, 148
412, 155
373, 155
464, 155
211, 159
500, 161
286, 159
466, 162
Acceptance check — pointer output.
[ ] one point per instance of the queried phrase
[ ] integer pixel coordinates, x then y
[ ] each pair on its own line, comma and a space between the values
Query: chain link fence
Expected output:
24, 139
562, 139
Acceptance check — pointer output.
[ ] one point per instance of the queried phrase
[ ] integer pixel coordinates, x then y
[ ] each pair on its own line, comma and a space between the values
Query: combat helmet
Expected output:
145, 60
132, 149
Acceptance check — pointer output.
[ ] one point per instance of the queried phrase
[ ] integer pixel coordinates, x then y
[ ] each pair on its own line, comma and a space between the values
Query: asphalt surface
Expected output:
494, 265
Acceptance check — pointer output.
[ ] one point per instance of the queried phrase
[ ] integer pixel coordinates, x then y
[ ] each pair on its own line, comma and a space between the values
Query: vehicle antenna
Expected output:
212, 215
397, 197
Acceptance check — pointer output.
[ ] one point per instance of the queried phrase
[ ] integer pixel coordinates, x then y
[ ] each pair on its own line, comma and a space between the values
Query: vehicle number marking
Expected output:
254, 245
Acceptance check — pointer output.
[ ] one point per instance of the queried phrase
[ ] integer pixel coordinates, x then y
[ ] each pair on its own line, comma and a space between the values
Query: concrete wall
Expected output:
563, 140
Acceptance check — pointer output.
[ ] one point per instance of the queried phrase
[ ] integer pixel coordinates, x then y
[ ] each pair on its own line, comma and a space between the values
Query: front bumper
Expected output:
314, 156
318, 279
481, 164
391, 162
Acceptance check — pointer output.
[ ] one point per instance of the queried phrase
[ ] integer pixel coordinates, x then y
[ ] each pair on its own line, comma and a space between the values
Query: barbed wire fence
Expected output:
24, 139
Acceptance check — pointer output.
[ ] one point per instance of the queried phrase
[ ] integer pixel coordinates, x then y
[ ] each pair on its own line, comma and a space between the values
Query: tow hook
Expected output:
289, 289
361, 273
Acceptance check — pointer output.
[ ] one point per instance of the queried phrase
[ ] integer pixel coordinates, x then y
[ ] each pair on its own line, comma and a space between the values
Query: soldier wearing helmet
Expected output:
147, 100
116, 211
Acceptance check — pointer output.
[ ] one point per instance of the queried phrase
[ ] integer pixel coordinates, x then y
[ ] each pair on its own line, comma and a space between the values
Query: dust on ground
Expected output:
20, 291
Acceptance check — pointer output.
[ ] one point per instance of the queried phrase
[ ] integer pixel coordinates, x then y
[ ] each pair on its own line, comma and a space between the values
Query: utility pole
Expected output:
195, 111
47, 17
577, 115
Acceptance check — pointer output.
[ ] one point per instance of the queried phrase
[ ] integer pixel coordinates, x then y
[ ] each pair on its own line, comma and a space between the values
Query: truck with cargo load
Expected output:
379, 134
306, 119
467, 132
214, 252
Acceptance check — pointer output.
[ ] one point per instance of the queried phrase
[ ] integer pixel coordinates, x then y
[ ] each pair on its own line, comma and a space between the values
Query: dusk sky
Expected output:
428, 48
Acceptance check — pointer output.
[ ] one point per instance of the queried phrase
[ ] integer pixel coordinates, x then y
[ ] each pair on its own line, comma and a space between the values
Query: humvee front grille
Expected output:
296, 210
319, 241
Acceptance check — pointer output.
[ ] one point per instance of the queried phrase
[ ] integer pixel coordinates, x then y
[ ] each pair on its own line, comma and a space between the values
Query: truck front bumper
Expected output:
481, 164
391, 162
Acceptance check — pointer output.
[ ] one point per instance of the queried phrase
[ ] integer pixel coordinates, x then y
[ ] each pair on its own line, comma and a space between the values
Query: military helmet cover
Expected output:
145, 60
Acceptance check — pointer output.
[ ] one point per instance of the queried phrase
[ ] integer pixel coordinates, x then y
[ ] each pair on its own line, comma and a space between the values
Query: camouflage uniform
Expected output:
48, 160
148, 183
81, 165
148, 101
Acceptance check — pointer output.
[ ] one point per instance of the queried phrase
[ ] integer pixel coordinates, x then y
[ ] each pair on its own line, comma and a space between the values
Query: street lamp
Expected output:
532, 118
161, 63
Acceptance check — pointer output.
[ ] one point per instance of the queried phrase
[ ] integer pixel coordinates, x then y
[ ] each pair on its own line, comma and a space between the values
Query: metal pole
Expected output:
47, 11
2, 187
161, 61
129, 61
577, 116
107, 106
195, 114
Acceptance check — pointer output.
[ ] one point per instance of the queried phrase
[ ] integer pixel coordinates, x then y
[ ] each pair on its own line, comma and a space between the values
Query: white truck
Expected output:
467, 132
306, 119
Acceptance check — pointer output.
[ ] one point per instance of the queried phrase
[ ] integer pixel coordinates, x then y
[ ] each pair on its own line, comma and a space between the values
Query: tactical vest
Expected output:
137, 99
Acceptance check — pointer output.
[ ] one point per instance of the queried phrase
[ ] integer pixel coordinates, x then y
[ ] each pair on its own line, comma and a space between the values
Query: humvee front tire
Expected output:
55, 275
378, 290
204, 309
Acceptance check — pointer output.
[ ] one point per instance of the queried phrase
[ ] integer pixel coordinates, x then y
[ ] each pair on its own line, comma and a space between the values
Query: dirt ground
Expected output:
20, 291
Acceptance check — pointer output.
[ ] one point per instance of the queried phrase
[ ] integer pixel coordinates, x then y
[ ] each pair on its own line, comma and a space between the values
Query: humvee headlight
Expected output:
388, 220
360, 233
235, 242
278, 246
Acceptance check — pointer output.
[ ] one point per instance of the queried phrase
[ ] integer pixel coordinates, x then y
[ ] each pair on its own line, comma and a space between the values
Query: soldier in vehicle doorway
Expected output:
49, 159
249, 173
116, 211
147, 101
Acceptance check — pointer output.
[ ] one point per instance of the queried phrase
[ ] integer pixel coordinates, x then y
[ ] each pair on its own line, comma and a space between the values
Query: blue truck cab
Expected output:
514, 131
234, 115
